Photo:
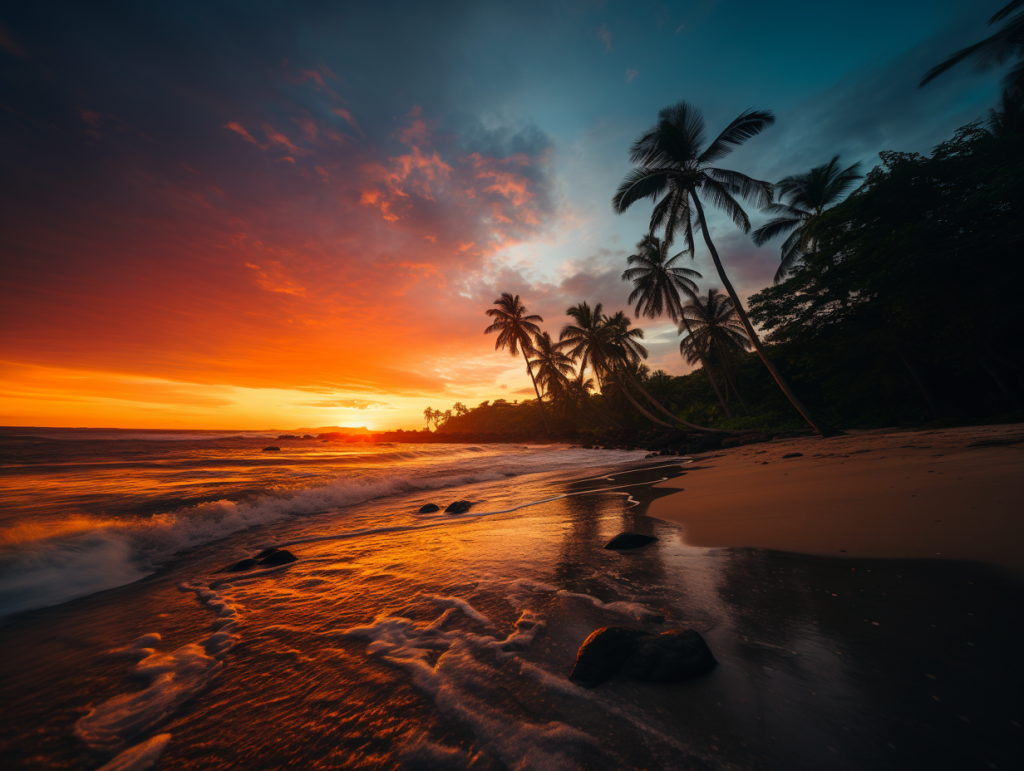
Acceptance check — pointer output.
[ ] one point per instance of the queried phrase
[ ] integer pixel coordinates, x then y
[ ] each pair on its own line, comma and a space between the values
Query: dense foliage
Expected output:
908, 308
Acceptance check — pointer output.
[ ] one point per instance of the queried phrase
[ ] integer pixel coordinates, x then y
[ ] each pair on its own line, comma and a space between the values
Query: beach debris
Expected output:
629, 541
429, 508
278, 557
603, 653
271, 449
793, 455
246, 564
459, 507
678, 654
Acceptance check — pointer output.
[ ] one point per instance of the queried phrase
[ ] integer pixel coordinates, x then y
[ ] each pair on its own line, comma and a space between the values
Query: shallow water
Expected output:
432, 641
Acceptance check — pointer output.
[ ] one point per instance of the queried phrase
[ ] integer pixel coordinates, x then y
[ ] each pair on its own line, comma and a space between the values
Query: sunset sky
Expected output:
256, 215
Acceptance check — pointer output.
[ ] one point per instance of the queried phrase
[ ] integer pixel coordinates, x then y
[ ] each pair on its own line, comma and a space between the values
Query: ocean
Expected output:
401, 639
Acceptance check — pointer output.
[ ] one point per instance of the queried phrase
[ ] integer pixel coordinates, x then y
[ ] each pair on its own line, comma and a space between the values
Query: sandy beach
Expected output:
953, 493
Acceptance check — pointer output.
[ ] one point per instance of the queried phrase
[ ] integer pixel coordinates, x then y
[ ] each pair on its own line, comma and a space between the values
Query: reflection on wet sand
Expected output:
449, 647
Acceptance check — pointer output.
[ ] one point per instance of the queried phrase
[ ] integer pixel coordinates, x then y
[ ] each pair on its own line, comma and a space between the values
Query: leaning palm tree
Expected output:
1008, 117
556, 374
550, 365
1002, 46
675, 165
516, 331
803, 198
714, 326
657, 283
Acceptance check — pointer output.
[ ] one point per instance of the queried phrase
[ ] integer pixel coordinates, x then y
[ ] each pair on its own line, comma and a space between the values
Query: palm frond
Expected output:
749, 124
756, 191
639, 183
718, 197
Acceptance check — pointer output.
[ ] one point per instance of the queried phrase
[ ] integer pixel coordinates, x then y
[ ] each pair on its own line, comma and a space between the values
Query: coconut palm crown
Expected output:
713, 326
552, 367
658, 279
803, 198
516, 331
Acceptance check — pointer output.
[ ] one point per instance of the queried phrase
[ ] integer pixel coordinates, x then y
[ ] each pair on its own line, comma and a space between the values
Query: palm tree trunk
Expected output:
823, 430
640, 409
729, 380
679, 420
707, 370
602, 418
543, 414
921, 385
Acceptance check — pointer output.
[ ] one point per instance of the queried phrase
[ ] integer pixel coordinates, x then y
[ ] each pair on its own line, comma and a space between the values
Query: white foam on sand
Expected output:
173, 679
632, 610
454, 681
141, 756
180, 675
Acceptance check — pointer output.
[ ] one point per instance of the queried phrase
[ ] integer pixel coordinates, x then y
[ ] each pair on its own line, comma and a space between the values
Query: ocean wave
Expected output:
42, 566
39, 568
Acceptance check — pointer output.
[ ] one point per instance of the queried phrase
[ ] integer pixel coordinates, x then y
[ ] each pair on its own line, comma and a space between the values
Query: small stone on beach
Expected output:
629, 541
278, 557
429, 508
459, 507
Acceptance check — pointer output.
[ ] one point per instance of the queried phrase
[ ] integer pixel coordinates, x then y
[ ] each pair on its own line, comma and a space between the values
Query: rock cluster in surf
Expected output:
669, 657
268, 558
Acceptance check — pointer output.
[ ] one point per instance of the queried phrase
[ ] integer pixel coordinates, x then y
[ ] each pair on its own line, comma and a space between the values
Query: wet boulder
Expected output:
604, 652
271, 449
459, 507
246, 564
266, 553
629, 541
429, 508
678, 654
278, 557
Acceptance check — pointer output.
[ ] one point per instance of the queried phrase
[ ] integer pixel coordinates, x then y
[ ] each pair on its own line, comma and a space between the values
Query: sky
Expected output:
294, 214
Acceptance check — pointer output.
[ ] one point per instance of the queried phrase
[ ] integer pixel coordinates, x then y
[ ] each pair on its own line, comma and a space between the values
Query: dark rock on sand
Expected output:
678, 654
459, 507
278, 557
246, 564
271, 449
604, 652
429, 508
266, 553
629, 541
793, 455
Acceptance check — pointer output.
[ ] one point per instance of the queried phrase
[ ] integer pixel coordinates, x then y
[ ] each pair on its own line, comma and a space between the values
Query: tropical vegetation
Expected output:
894, 303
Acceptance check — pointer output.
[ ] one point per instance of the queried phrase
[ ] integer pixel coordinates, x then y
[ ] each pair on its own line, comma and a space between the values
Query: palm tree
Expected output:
590, 342
657, 282
674, 164
551, 366
1008, 118
1002, 46
612, 349
809, 195
517, 331
714, 327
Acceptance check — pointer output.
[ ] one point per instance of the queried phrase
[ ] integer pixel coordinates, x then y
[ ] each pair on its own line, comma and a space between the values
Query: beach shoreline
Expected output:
951, 493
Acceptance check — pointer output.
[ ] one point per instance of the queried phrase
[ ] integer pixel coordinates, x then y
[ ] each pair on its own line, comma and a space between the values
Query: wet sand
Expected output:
937, 494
